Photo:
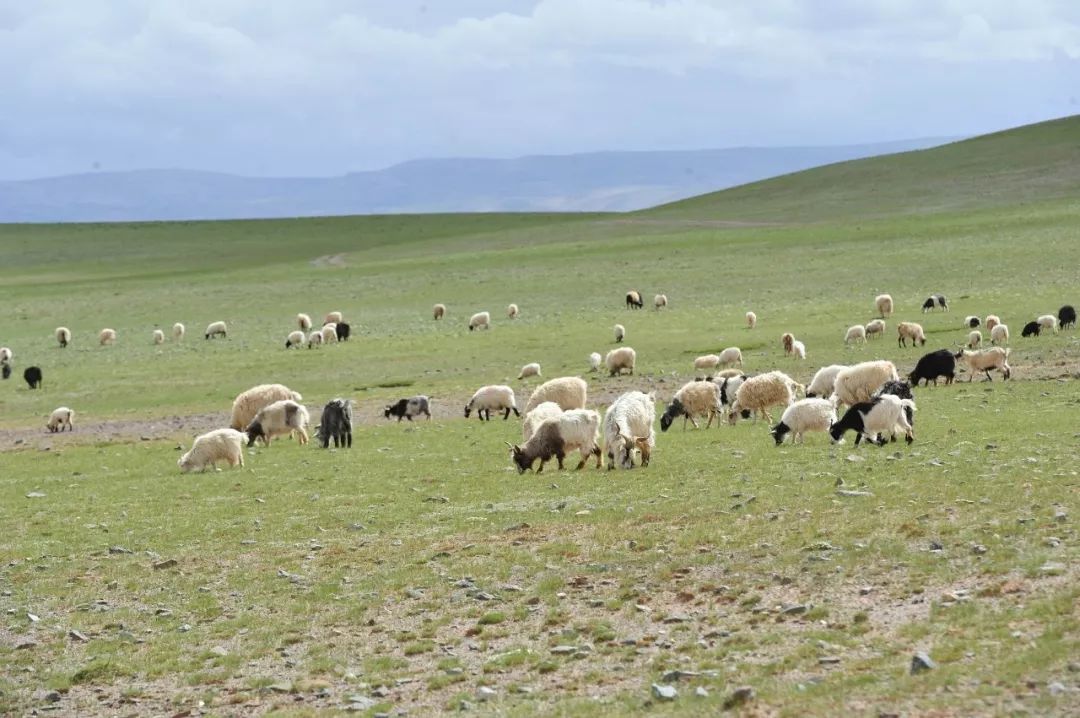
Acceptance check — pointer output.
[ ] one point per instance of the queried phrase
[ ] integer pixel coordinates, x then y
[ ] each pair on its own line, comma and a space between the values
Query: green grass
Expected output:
418, 566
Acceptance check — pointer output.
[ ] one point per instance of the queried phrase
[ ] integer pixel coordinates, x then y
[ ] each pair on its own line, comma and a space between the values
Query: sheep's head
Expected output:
779, 431
523, 462
386, 411
255, 431
468, 410
675, 408
185, 463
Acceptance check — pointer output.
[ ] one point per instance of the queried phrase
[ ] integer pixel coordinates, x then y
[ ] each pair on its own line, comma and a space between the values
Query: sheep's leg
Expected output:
581, 464
858, 437
988, 377
599, 457
560, 456
506, 415
303, 436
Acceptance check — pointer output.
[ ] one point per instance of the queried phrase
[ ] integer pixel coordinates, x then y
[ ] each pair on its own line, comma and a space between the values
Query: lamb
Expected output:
992, 320
32, 377
620, 333
512, 311
215, 329
248, 403
660, 301
875, 327
315, 339
329, 333
633, 300
798, 349
619, 359
884, 305
751, 320
303, 321
333, 318
694, 398
578, 429
912, 331
985, 360
1066, 316
822, 383
932, 365
594, 361
295, 339
408, 408
974, 339
1048, 321
494, 396
106, 336
531, 369
1031, 329
158, 336
212, 447
803, 416
732, 356
439, 311
569, 392
63, 336
178, 332
336, 424
971, 321
61, 419
628, 424
279, 419
541, 413
999, 334
883, 415
856, 333
938, 299
758, 393
859, 382
480, 320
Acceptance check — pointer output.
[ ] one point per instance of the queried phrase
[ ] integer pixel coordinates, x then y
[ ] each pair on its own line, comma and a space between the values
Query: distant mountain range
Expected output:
596, 181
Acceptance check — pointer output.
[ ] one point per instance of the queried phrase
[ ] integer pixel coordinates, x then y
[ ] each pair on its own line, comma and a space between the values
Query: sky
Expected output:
325, 87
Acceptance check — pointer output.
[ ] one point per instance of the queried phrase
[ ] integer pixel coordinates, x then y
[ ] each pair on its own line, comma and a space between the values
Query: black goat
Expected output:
1031, 329
932, 365
33, 377
336, 423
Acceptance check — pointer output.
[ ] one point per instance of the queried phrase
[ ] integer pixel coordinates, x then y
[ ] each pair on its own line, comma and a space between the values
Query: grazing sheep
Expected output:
935, 299
343, 331
709, 361
787, 340
480, 320
1048, 321
5, 370
1067, 316
999, 334
694, 398
971, 321
728, 386
856, 333
6, 355
408, 408
248, 403
619, 359
569, 392
874, 328
106, 336
315, 339
620, 332
992, 320
1031, 329
303, 321
333, 318
660, 301
822, 383
578, 430
633, 300
896, 387
439, 311
178, 332
295, 339
758, 393
798, 349
732, 356
974, 339
336, 424
63, 336
884, 305
494, 396
61, 419
803, 416
751, 320
985, 360
541, 413
32, 376
329, 333
883, 415
595, 360
512, 311
859, 382
932, 365
279, 419
212, 447
628, 425
912, 331
158, 336
531, 369
215, 329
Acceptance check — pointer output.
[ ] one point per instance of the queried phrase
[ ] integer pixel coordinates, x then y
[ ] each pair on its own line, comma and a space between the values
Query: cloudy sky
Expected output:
320, 87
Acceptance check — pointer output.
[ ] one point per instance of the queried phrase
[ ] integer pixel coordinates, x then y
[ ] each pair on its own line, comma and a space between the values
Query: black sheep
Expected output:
33, 377
408, 408
336, 423
1067, 317
932, 365
1031, 329
343, 331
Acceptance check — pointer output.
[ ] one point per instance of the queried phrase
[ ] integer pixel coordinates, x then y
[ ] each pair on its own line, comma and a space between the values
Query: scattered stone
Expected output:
220, 651
848, 492
1052, 569
381, 692
677, 618
829, 660
28, 643
119, 549
1052, 541
78, 636
854, 458
359, 702
564, 650
678, 675
978, 549
33, 618
936, 546
414, 593
1056, 688
35, 495
1061, 516
740, 696
796, 609
281, 687
664, 693
866, 590
167, 563
922, 662
184, 627
483, 693
700, 692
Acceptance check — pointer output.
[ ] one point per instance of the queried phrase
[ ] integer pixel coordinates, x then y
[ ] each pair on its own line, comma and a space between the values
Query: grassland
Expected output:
418, 568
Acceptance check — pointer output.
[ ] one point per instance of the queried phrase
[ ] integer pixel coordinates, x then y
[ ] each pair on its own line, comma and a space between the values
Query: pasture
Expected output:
418, 571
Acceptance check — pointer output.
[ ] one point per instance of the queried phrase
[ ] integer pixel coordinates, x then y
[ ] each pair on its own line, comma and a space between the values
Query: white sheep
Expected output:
438, 311
912, 331
333, 318
315, 338
512, 311
329, 333
63, 336
628, 425
884, 305
216, 329
539, 414
882, 415
214, 446
695, 398
494, 396
178, 332
620, 332
1048, 321
575, 430
729, 384
804, 416
758, 393
303, 321
660, 301
974, 339
595, 360
856, 333
248, 403
732, 356
158, 336
6, 355
751, 320
985, 360
279, 419
532, 369
107, 336
569, 392
992, 320
824, 380
480, 320
798, 349
709, 361
619, 359
875, 327
859, 382
61, 419
999, 334
296, 339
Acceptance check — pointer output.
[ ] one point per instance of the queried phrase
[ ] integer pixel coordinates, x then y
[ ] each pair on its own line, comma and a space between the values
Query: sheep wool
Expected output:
822, 383
438, 311
333, 318
512, 311
279, 419
804, 416
539, 414
874, 328
303, 321
575, 430
107, 336
695, 398
158, 336
760, 392
329, 333
620, 332
628, 425
751, 320
856, 333
999, 334
210, 448
177, 332
315, 339
480, 320
216, 329
63, 336
619, 359
493, 396
883, 303
569, 392
528, 370
595, 360
60, 419
248, 403
732, 356
859, 382
295, 339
